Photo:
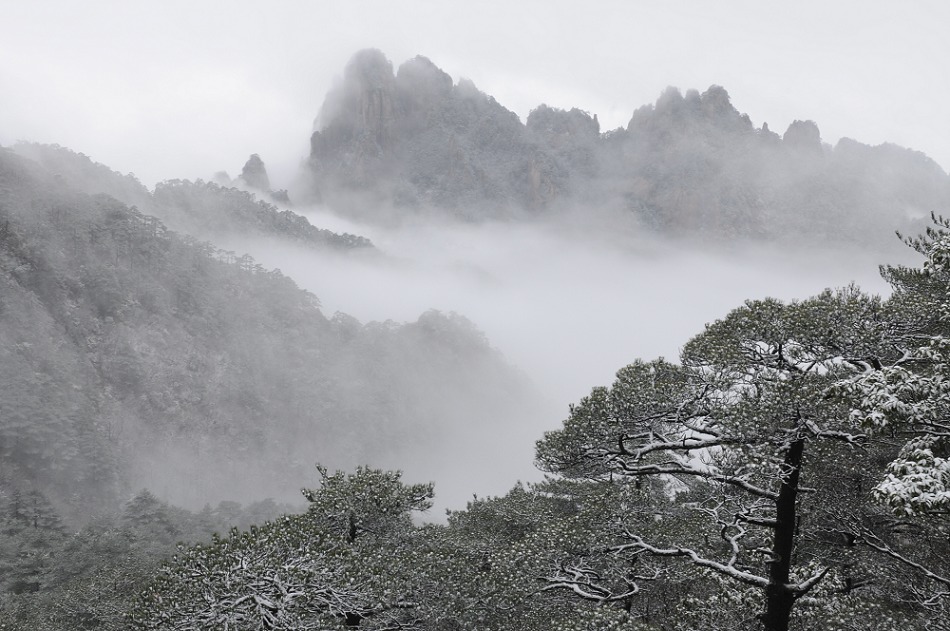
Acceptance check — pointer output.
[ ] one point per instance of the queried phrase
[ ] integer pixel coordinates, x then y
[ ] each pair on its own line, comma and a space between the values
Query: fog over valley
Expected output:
538, 317
568, 303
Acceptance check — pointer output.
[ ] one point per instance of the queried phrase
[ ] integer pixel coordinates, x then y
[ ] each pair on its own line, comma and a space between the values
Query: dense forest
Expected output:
163, 399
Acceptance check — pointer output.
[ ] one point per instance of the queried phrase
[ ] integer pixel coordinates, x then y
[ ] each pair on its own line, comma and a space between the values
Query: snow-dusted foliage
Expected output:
917, 480
764, 480
335, 566
909, 395
911, 400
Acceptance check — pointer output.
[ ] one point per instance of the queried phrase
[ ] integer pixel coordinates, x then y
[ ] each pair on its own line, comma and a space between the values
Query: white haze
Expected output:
562, 300
179, 89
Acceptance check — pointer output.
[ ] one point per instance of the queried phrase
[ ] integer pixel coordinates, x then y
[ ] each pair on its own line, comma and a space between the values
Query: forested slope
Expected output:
134, 356
203, 209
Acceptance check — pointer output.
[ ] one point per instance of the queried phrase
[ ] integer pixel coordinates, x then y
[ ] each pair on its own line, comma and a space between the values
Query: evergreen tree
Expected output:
749, 436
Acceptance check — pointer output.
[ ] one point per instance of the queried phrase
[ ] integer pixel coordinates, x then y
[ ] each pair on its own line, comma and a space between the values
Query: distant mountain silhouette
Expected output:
690, 164
416, 139
207, 210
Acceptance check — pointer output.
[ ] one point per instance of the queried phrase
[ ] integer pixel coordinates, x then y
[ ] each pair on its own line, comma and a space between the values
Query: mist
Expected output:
569, 307
566, 297
568, 301
455, 221
197, 86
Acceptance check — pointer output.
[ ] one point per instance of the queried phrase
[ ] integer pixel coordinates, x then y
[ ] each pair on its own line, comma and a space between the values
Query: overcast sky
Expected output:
182, 88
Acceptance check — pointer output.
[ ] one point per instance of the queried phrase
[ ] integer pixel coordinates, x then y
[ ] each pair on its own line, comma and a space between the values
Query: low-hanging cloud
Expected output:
567, 302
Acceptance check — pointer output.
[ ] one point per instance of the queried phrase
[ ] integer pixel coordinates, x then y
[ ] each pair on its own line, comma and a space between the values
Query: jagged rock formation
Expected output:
254, 173
690, 164
254, 176
693, 165
415, 139
803, 135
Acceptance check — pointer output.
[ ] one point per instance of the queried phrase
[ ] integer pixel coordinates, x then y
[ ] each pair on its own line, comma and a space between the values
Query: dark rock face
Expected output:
359, 130
571, 139
415, 139
254, 174
689, 164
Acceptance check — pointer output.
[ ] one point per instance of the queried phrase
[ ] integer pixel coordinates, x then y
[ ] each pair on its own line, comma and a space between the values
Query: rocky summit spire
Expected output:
363, 105
803, 135
355, 137
254, 174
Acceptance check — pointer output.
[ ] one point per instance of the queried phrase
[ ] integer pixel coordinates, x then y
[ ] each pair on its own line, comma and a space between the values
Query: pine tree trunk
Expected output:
778, 597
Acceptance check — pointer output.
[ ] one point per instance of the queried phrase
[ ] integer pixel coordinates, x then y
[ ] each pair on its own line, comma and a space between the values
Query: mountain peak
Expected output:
365, 95
254, 173
422, 82
688, 163
803, 135
369, 69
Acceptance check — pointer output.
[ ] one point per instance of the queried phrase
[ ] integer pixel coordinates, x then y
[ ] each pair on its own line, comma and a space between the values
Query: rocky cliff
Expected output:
415, 139
690, 164
254, 173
